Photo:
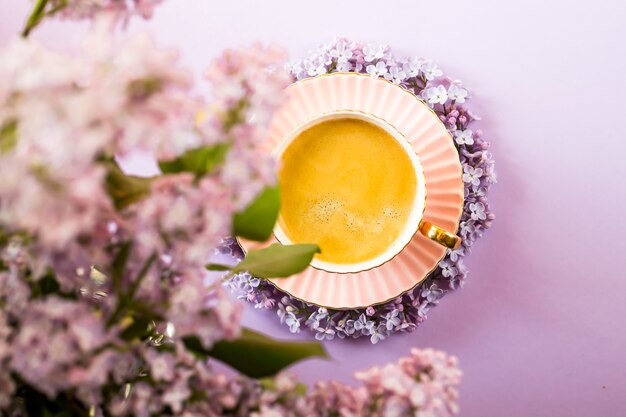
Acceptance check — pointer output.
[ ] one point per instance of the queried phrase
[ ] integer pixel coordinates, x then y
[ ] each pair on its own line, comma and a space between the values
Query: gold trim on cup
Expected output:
439, 235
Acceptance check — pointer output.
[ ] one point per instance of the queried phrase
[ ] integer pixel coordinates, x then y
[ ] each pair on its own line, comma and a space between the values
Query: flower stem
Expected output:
35, 17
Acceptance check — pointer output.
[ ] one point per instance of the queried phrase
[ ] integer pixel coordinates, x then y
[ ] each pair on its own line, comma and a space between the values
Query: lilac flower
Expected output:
491, 173
264, 302
311, 322
254, 282
480, 192
314, 68
472, 175
122, 10
436, 95
467, 228
392, 319
448, 269
322, 313
292, 322
431, 71
297, 69
324, 334
378, 333
162, 365
242, 284
341, 52
395, 75
433, 293
315, 318
407, 326
456, 254
347, 326
377, 70
463, 137
457, 93
458, 280
44, 350
373, 52
477, 211
363, 325
344, 66
413, 67
177, 393
422, 309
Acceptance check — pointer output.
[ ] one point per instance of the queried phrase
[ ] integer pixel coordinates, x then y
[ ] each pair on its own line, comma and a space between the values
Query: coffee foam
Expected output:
330, 209
348, 186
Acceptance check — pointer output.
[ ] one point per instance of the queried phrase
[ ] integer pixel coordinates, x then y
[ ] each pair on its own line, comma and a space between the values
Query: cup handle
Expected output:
439, 235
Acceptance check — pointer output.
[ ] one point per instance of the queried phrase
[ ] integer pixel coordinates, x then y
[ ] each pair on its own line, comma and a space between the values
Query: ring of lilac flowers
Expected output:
449, 99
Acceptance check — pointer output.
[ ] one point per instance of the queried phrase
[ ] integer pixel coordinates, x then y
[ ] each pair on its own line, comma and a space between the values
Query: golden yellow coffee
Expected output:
348, 186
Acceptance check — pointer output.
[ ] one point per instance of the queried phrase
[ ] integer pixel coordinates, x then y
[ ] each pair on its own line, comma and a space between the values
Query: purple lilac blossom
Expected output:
449, 99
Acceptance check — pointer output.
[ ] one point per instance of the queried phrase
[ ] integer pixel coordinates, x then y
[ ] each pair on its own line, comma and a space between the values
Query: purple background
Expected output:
539, 327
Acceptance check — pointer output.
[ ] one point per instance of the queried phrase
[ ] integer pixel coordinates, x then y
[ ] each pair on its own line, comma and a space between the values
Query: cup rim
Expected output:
419, 202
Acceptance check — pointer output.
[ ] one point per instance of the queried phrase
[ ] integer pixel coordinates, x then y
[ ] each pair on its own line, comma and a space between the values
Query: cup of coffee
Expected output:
352, 184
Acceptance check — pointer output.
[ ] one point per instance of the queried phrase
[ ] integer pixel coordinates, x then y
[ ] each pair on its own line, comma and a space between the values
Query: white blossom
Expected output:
434, 95
431, 71
396, 75
457, 93
373, 52
464, 137
377, 70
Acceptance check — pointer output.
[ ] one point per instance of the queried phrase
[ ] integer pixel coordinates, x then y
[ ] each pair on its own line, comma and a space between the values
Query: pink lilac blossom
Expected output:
448, 98
88, 9
176, 219
39, 174
247, 88
64, 325
54, 336
7, 386
65, 119
423, 383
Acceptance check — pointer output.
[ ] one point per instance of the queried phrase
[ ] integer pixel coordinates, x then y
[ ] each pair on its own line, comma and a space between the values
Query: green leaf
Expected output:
199, 161
118, 266
257, 355
235, 115
270, 385
126, 299
218, 267
46, 285
257, 221
8, 135
38, 13
143, 309
277, 261
142, 88
143, 272
137, 329
124, 189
